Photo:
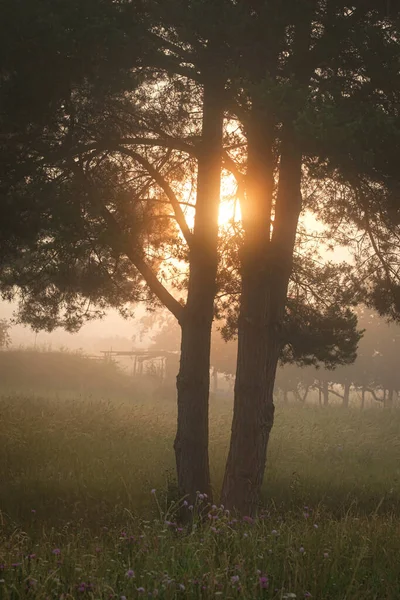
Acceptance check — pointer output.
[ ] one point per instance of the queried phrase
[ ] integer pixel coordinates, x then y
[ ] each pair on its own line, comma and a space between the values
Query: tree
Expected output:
5, 339
100, 170
111, 163
308, 77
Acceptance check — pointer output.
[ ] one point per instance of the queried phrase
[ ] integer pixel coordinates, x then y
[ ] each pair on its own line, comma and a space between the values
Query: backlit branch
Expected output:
164, 185
128, 247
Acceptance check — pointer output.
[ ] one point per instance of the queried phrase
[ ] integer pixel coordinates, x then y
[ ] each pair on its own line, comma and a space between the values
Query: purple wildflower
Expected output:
56, 551
130, 573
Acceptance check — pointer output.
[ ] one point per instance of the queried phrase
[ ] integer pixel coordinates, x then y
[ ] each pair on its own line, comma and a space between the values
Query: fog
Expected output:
90, 338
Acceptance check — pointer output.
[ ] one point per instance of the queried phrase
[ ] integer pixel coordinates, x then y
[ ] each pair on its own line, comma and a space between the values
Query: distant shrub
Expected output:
59, 370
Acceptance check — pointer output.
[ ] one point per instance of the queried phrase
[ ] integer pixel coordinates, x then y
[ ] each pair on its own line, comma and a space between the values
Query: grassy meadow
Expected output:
88, 501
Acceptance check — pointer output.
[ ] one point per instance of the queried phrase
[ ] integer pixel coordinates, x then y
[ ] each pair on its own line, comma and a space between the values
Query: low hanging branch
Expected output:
127, 246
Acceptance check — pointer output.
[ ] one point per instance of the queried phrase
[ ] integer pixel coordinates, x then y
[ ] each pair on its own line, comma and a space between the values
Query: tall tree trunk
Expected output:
388, 402
325, 392
193, 381
363, 398
266, 268
319, 394
215, 380
346, 395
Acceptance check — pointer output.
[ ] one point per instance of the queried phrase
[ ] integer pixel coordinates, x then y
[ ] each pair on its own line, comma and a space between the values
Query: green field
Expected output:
79, 519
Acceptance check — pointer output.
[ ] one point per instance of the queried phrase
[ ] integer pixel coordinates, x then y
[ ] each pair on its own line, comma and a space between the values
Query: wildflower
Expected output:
301, 550
214, 507
307, 595
315, 526
201, 497
130, 573
141, 590
235, 579
82, 587
98, 549
56, 551
191, 507
123, 598
274, 532
306, 515
263, 581
248, 520
16, 565
33, 511
181, 587
153, 491
245, 535
326, 554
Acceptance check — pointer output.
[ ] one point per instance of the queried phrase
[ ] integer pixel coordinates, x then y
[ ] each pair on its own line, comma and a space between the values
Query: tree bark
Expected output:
346, 395
193, 381
266, 267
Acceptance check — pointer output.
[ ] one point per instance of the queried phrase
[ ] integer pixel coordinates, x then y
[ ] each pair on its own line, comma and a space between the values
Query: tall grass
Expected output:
76, 477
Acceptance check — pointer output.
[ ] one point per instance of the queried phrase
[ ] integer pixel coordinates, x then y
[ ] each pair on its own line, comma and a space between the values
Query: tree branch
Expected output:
164, 185
126, 245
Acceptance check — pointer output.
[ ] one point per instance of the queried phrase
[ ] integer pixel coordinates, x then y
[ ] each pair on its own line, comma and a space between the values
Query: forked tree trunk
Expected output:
265, 276
266, 266
193, 381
